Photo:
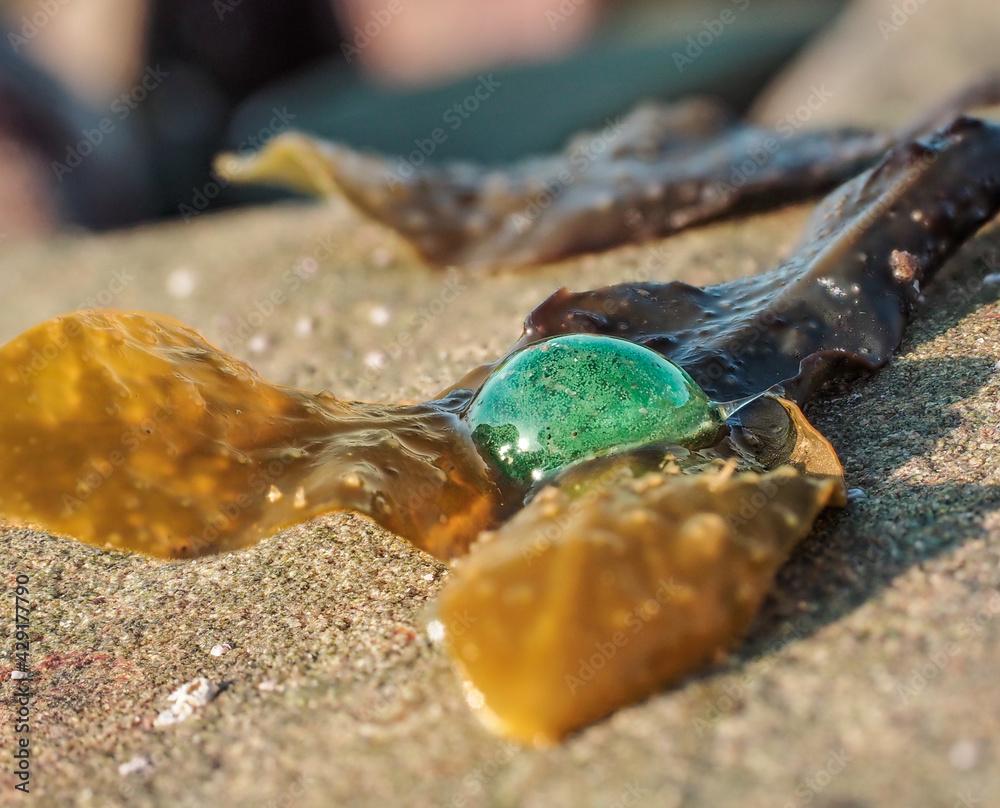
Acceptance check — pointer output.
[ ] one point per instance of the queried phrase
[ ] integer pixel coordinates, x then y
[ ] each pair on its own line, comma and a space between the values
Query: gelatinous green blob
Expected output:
582, 395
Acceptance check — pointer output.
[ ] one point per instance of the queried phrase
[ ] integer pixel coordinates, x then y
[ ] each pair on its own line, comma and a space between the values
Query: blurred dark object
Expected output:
717, 50
216, 54
233, 73
240, 45
134, 156
82, 172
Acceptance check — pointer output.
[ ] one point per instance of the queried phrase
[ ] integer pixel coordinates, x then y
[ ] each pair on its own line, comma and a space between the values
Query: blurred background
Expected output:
111, 110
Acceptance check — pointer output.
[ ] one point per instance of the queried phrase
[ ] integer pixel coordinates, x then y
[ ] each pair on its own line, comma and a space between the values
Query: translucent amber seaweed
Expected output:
131, 431
585, 602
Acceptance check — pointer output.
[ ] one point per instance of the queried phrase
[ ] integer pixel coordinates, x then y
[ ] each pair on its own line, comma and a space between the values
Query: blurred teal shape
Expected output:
727, 50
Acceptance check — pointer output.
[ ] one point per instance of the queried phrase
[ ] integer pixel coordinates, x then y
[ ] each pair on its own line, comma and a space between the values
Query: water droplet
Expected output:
304, 326
375, 360
300, 498
435, 631
181, 283
379, 315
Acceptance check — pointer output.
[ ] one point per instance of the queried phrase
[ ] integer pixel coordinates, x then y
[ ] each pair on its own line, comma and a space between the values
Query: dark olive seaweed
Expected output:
840, 302
661, 168
186, 451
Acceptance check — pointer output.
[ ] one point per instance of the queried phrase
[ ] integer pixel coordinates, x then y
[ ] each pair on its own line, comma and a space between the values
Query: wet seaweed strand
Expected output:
130, 431
661, 168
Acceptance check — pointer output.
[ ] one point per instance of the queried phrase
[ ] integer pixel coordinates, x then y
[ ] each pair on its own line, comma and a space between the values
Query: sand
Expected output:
870, 679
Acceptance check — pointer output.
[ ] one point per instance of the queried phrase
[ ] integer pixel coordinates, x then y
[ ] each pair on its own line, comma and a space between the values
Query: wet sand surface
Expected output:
870, 679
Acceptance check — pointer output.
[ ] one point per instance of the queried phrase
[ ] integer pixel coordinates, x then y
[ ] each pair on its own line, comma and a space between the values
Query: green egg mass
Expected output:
582, 395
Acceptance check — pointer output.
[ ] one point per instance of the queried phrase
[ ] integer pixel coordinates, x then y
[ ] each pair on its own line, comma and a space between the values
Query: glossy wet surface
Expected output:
655, 171
578, 396
591, 598
839, 304
130, 431
884, 234
331, 613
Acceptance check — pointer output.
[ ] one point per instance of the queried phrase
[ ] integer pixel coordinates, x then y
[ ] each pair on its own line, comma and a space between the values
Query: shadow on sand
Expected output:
854, 553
